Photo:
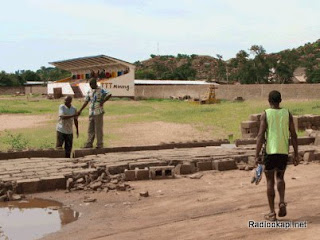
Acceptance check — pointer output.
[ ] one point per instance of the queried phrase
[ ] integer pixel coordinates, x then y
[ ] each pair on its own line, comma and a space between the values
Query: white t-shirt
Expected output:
65, 125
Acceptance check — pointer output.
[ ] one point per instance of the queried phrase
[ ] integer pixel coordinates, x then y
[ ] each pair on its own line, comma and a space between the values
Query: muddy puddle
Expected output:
33, 218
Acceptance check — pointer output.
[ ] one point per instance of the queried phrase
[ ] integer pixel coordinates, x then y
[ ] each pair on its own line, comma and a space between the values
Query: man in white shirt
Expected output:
96, 97
67, 115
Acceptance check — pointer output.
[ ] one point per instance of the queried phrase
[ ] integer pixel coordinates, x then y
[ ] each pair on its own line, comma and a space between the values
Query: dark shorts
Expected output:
276, 162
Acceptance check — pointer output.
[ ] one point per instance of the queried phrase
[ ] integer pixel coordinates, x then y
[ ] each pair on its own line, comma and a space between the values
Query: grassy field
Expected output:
219, 119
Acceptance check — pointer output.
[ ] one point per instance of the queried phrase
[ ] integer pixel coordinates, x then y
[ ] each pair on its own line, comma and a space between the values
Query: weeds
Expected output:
16, 142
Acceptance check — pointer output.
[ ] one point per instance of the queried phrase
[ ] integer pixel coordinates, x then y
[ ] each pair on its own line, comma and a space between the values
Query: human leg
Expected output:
99, 130
91, 132
68, 145
270, 189
60, 140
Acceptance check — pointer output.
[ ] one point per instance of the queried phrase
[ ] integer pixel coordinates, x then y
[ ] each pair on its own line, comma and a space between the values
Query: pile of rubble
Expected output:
8, 191
101, 180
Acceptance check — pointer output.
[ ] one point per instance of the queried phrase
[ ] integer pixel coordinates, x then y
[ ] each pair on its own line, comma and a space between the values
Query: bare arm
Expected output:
83, 106
67, 116
261, 135
294, 140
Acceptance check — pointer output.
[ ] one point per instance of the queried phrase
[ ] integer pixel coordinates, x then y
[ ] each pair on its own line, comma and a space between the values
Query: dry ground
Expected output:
152, 133
217, 206
15, 121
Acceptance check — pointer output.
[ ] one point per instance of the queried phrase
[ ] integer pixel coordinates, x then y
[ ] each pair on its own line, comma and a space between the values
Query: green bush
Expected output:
16, 142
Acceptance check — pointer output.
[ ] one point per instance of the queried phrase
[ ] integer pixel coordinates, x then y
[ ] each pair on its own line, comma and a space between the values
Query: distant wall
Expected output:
11, 90
165, 91
36, 89
261, 91
229, 92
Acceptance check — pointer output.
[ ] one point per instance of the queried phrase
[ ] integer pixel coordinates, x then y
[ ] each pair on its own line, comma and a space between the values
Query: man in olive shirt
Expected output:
275, 130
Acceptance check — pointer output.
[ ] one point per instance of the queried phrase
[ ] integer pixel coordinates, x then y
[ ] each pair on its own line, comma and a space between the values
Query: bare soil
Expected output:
18, 121
152, 133
217, 206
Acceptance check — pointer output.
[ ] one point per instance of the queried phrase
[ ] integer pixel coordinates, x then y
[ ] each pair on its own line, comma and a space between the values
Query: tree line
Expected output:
247, 67
20, 77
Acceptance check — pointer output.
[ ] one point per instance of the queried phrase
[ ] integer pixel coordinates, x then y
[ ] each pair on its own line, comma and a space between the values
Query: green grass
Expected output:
219, 120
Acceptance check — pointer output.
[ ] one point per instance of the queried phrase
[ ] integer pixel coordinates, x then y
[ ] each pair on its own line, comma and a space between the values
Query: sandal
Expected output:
271, 216
282, 209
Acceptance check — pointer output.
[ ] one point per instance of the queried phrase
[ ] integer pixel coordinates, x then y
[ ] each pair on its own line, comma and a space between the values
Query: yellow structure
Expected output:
209, 97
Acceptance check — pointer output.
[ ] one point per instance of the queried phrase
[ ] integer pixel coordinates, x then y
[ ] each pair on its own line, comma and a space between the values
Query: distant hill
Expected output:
254, 66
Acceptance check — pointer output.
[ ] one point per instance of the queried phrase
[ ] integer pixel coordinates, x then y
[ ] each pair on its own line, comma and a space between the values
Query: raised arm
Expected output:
106, 96
294, 140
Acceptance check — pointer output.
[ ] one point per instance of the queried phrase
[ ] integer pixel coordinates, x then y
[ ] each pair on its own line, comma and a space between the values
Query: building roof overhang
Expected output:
92, 62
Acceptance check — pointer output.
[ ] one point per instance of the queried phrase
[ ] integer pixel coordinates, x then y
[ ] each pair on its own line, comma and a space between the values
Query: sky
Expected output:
36, 32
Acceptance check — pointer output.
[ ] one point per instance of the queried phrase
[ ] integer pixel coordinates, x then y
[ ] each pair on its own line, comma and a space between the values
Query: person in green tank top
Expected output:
276, 127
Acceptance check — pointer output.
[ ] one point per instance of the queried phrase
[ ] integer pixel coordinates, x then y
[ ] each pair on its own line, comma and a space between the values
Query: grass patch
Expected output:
220, 120
8, 111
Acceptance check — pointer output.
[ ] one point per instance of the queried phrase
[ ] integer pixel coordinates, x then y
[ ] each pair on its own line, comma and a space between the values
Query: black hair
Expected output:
275, 97
93, 80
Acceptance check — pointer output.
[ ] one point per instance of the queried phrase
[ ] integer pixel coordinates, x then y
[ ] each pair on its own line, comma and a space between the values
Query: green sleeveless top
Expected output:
277, 131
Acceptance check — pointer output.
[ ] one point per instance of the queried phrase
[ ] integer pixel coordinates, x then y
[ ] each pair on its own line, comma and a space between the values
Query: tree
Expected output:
29, 75
283, 72
313, 75
8, 79
221, 71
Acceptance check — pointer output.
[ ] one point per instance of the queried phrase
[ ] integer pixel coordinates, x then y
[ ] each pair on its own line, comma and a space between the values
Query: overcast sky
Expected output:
35, 32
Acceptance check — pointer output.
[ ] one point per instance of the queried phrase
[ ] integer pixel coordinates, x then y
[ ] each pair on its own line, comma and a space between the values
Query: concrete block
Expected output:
251, 161
296, 122
317, 140
28, 185
239, 142
142, 174
255, 117
308, 156
52, 183
225, 164
145, 164
130, 175
305, 140
249, 124
249, 135
187, 168
316, 156
162, 172
117, 168
204, 166
241, 158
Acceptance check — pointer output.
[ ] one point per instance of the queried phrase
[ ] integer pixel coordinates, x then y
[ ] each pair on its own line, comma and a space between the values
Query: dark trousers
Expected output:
67, 139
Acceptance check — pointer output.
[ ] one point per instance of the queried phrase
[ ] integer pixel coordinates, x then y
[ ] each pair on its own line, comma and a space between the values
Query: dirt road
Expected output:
217, 206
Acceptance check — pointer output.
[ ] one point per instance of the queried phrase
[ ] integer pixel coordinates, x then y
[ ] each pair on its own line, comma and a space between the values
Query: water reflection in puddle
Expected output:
33, 218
